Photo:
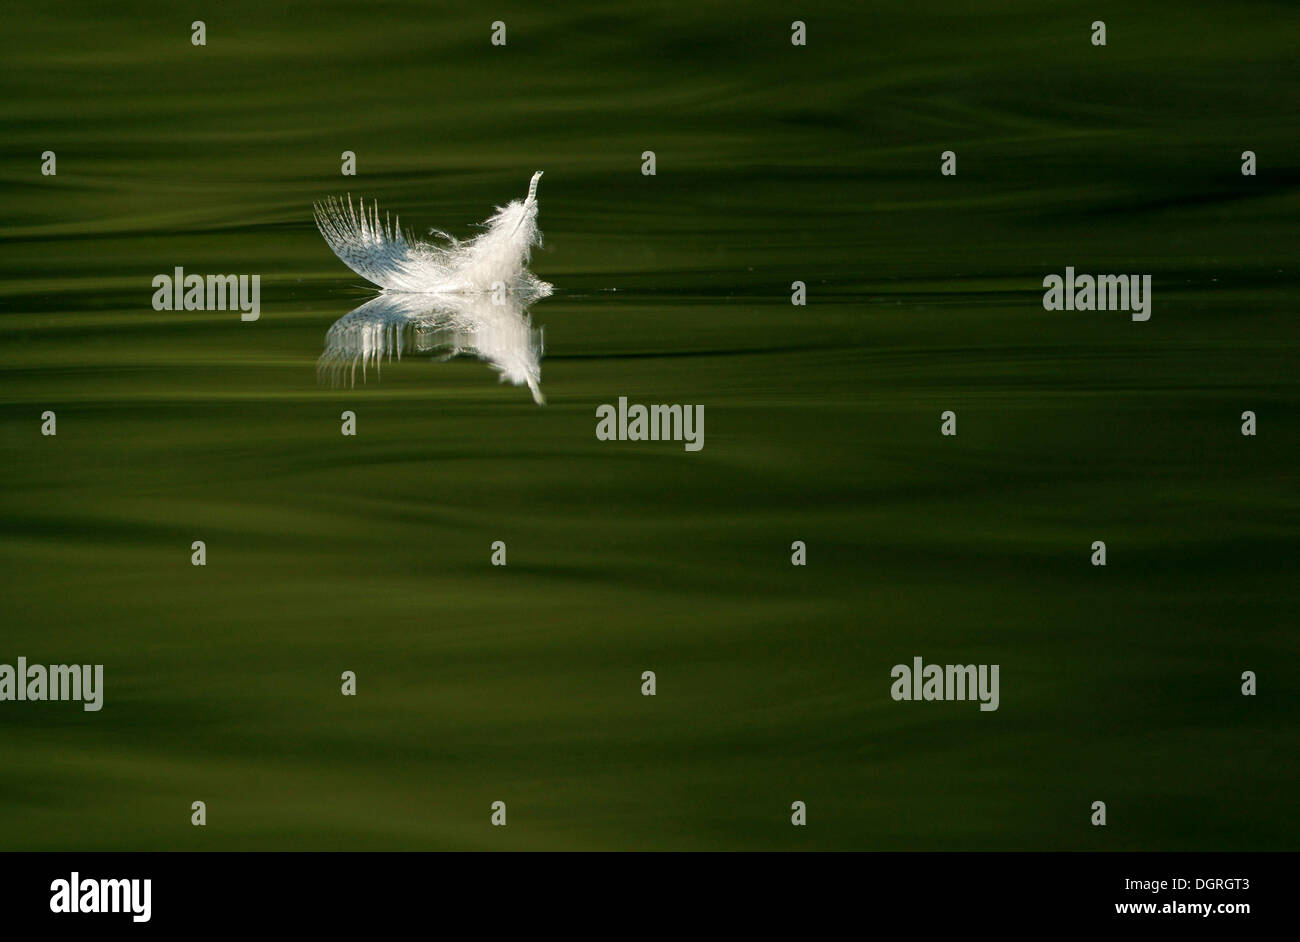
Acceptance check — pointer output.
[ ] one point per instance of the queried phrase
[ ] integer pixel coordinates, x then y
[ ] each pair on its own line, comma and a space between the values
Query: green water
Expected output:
775, 163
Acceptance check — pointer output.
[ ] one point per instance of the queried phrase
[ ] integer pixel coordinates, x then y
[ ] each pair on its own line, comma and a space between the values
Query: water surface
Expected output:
774, 164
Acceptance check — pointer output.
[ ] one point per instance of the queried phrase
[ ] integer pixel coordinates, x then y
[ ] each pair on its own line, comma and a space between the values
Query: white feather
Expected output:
460, 297
379, 251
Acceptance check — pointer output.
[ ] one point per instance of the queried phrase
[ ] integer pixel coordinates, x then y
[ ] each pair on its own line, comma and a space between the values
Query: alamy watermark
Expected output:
946, 682
84, 682
1100, 293
181, 292
656, 423
77, 895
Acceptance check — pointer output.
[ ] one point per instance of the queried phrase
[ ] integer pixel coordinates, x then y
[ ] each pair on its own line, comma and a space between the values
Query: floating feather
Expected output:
460, 297
382, 253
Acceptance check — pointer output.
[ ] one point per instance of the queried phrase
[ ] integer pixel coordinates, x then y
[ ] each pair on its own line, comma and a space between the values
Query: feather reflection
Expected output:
494, 328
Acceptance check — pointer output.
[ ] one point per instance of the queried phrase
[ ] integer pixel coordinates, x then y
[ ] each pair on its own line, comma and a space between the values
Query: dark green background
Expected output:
521, 684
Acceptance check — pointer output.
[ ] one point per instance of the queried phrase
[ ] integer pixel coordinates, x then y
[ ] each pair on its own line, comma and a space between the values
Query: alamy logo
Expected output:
946, 682
84, 682
181, 292
76, 895
1102, 293
661, 423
